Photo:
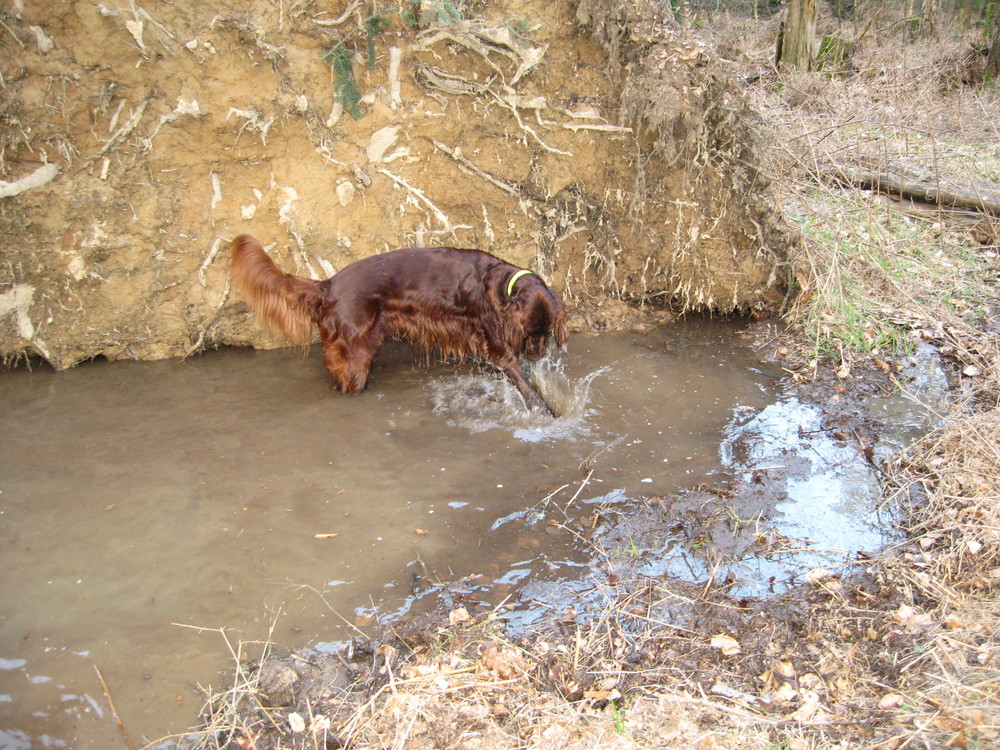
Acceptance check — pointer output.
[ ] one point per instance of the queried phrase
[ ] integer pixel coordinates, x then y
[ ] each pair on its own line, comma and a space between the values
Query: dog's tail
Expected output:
283, 302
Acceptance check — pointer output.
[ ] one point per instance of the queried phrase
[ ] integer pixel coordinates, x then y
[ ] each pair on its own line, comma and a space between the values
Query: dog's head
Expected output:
533, 315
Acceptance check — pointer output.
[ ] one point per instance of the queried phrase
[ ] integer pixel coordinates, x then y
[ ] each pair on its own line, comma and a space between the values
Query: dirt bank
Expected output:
136, 141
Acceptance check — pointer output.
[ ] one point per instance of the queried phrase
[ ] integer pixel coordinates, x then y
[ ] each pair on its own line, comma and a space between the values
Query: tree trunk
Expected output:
798, 44
899, 182
931, 19
993, 40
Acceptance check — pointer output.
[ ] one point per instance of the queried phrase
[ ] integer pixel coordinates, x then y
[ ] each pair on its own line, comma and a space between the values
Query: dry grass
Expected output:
875, 270
952, 568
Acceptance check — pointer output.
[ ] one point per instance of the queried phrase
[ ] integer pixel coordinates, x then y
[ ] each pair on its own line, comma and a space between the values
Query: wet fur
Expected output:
447, 298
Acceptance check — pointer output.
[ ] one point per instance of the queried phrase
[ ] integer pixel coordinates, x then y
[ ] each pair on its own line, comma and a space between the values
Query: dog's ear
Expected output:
560, 329
557, 317
545, 312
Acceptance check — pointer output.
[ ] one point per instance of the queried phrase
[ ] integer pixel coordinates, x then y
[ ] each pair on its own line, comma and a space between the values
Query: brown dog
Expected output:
465, 302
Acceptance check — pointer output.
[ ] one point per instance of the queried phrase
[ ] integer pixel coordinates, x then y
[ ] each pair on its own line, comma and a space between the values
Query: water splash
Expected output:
485, 401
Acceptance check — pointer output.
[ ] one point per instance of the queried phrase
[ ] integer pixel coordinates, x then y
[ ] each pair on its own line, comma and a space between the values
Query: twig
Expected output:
579, 489
457, 155
209, 259
512, 103
601, 128
16, 37
114, 711
124, 131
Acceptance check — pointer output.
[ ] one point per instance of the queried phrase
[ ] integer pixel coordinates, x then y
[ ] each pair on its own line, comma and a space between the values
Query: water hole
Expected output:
147, 507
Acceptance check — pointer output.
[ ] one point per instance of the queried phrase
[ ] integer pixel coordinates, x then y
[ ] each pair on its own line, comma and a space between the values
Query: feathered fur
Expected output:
283, 302
447, 298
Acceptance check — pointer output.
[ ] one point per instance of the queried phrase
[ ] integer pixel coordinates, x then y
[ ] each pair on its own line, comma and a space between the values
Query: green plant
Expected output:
345, 88
520, 28
411, 13
375, 25
443, 640
619, 712
633, 548
737, 524
341, 55
445, 11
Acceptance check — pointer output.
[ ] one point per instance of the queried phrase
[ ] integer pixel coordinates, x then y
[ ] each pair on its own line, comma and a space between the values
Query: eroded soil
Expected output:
150, 137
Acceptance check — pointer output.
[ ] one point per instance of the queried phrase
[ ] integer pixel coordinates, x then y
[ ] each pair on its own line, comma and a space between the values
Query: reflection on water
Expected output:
806, 498
236, 491
831, 491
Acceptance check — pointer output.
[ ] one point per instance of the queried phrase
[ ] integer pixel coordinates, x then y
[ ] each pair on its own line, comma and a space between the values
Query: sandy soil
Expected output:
135, 141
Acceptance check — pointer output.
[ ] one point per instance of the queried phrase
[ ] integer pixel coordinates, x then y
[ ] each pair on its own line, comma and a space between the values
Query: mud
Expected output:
736, 586
141, 500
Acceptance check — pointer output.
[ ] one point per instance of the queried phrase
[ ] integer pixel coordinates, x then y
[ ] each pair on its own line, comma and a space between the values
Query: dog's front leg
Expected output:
532, 398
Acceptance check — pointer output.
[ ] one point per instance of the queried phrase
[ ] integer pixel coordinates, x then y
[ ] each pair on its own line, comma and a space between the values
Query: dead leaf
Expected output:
320, 723
457, 616
927, 541
389, 653
817, 576
784, 669
911, 619
811, 709
506, 663
891, 701
556, 735
785, 693
811, 681
728, 645
780, 673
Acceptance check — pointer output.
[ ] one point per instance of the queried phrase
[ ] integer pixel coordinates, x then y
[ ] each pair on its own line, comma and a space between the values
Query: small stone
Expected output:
296, 723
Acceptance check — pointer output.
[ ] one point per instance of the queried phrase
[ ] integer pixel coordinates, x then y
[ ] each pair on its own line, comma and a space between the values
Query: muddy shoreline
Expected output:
781, 654
237, 497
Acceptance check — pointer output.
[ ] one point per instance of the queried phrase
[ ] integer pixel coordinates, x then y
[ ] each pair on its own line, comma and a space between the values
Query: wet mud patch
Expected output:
149, 507
798, 501
234, 494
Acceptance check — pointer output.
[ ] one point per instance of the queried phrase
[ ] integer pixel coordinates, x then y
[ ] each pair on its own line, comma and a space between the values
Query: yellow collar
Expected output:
513, 280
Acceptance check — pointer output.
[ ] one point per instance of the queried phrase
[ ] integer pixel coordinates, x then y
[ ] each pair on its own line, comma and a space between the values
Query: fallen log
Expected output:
982, 197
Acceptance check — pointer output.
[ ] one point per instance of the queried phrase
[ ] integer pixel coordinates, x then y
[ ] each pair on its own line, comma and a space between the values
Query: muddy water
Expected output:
147, 508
